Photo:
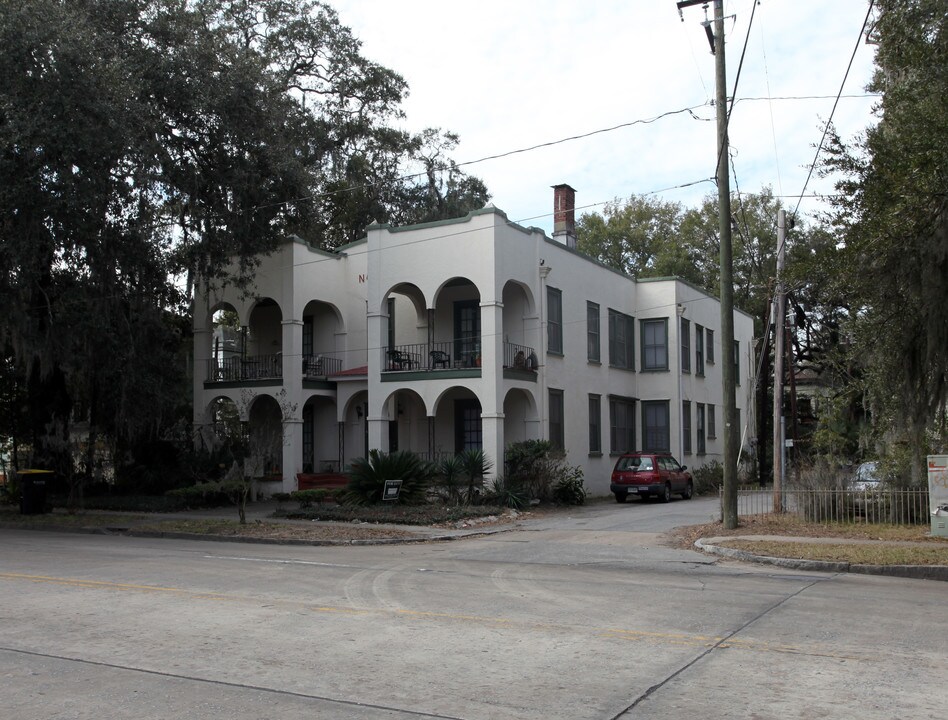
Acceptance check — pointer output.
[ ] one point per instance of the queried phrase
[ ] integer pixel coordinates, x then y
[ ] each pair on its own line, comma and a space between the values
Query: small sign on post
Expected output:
391, 489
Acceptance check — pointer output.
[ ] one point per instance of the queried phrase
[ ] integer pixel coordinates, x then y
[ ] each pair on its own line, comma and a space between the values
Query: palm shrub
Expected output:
475, 465
449, 479
367, 478
506, 492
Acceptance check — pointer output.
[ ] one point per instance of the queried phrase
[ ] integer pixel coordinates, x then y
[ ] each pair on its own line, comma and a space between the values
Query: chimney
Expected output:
564, 215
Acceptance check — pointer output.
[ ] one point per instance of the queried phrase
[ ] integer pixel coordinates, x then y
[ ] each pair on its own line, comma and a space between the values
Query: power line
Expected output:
829, 122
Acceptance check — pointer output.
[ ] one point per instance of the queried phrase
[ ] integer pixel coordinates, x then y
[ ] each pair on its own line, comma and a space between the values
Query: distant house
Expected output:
468, 333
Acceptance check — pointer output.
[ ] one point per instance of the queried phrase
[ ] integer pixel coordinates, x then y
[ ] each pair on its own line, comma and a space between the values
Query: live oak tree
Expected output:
891, 217
147, 142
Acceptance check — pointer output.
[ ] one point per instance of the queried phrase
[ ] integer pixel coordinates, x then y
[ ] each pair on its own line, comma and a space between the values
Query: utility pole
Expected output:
732, 433
779, 315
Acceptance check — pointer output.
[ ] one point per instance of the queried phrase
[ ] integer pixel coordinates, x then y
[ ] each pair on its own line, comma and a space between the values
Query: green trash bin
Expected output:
33, 490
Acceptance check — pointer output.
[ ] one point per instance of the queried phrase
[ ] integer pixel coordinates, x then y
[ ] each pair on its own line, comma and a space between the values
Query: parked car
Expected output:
866, 477
650, 475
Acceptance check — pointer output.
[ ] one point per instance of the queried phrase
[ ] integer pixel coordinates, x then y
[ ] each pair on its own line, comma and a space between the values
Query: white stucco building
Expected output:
474, 332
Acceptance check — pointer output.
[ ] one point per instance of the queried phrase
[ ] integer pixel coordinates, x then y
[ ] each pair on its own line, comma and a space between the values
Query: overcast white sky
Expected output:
510, 74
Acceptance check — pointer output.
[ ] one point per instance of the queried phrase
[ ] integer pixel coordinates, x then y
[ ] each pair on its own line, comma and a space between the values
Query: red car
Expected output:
650, 475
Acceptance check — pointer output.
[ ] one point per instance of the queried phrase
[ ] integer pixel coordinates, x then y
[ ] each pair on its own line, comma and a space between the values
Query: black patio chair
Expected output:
439, 358
398, 360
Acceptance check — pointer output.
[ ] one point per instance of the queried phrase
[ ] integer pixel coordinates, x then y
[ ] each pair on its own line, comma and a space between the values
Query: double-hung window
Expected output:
699, 429
554, 321
709, 344
557, 431
621, 340
686, 426
654, 344
595, 424
621, 424
699, 350
593, 352
655, 430
685, 334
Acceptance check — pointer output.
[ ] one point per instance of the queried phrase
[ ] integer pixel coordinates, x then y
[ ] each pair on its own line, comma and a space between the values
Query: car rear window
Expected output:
627, 464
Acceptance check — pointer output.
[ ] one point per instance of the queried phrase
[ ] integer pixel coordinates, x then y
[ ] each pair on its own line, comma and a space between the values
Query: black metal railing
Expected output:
320, 365
519, 357
253, 367
443, 355
452, 355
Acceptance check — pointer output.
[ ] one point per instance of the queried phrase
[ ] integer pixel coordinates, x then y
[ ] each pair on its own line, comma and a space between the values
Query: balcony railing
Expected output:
315, 366
239, 369
519, 357
452, 355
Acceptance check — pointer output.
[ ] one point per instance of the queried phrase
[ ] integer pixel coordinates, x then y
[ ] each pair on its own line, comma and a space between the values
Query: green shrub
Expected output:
367, 478
308, 498
708, 478
569, 489
459, 478
206, 494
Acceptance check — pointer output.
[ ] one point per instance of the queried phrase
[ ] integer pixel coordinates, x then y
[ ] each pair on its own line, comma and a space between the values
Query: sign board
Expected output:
938, 493
391, 489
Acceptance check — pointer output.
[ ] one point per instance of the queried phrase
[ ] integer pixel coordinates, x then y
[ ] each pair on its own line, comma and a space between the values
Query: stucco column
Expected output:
492, 430
293, 358
378, 433
292, 452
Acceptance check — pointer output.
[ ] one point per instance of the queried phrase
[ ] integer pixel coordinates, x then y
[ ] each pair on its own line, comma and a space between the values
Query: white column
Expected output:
492, 383
292, 452
492, 430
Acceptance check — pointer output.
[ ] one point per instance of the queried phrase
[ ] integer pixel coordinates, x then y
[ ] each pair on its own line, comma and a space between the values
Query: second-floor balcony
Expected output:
252, 368
452, 355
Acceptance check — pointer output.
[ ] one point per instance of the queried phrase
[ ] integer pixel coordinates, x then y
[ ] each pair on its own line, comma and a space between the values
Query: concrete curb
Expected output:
918, 572
129, 532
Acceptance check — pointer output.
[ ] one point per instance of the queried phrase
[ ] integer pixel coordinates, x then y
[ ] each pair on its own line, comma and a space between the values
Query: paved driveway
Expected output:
584, 616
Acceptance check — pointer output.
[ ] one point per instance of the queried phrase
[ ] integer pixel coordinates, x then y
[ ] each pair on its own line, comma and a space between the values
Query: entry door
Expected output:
467, 425
467, 331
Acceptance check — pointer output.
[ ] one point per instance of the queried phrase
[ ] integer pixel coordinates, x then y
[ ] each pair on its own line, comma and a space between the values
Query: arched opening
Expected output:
264, 439
521, 324
322, 332
354, 435
520, 417
321, 436
408, 423
457, 422
405, 335
455, 324
263, 342
227, 344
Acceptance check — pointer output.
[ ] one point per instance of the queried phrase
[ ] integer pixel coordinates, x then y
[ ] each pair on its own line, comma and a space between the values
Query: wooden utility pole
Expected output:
779, 315
732, 433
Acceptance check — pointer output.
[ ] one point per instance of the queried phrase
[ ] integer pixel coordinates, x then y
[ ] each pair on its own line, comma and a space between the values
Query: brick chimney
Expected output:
564, 215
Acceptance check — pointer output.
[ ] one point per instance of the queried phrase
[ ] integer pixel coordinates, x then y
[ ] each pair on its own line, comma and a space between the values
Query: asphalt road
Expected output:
589, 616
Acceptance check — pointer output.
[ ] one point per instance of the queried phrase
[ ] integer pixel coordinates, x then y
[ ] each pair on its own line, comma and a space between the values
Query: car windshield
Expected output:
867, 472
633, 464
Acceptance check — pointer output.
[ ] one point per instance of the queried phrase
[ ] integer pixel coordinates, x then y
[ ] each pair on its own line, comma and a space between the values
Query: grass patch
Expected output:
395, 514
869, 544
859, 554
273, 531
11, 517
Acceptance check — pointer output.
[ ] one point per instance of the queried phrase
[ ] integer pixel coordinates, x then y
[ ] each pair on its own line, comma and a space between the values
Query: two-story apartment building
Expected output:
466, 333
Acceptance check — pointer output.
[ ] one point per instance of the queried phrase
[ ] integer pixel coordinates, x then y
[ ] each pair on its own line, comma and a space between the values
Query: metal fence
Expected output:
897, 507
254, 367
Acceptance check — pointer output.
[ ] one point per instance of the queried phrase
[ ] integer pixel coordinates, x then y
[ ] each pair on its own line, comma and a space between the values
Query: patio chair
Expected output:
439, 358
398, 360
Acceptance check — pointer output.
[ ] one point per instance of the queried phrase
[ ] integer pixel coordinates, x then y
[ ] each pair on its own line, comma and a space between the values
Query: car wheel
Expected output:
689, 491
620, 497
666, 493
